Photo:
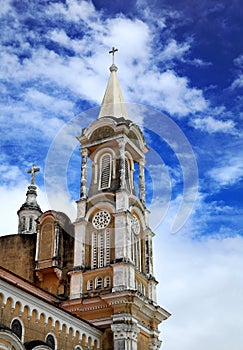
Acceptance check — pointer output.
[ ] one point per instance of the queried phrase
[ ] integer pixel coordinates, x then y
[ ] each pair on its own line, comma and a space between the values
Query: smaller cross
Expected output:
113, 50
32, 171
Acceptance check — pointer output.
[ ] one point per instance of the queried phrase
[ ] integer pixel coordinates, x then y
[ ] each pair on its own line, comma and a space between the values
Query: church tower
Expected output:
112, 283
30, 210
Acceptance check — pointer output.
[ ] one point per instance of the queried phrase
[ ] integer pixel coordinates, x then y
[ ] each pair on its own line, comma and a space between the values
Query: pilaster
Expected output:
84, 172
125, 336
142, 182
121, 144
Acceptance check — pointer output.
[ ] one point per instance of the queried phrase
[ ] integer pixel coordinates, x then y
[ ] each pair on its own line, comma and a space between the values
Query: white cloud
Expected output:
201, 287
5, 7
238, 61
199, 280
84, 74
60, 36
170, 92
229, 173
73, 10
52, 104
173, 50
238, 82
199, 62
212, 125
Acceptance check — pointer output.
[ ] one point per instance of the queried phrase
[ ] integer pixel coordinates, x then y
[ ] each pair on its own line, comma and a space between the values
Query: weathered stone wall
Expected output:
17, 254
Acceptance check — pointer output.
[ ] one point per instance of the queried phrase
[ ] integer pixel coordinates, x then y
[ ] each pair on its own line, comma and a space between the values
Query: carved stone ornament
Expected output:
101, 219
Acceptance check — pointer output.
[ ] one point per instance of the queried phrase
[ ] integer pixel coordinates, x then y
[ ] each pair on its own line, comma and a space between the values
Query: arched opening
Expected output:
17, 328
98, 283
105, 171
107, 282
50, 341
90, 285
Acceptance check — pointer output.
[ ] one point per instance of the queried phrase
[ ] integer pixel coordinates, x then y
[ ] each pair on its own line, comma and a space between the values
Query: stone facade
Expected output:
39, 319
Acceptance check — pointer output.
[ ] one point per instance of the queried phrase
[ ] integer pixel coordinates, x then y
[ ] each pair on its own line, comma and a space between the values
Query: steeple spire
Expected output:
30, 210
113, 104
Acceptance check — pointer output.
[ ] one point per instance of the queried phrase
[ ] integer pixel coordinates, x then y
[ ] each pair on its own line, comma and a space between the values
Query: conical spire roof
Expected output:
113, 104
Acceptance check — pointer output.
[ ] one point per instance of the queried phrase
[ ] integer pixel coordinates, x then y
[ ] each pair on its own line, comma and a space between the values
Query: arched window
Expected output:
107, 282
30, 223
105, 171
77, 347
23, 223
50, 341
16, 327
98, 283
90, 285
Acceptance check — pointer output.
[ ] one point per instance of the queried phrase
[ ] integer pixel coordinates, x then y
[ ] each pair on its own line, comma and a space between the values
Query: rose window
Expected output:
101, 219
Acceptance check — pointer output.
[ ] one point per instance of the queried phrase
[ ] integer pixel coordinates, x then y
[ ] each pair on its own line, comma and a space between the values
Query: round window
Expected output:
101, 219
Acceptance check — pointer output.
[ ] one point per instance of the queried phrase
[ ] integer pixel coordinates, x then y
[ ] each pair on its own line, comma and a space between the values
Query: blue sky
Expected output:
179, 62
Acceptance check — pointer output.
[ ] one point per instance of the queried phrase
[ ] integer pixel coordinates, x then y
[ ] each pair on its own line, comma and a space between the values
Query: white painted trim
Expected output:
55, 313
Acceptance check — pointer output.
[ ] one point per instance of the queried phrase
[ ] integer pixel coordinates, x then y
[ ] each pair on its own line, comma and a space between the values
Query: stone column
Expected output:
83, 185
142, 182
121, 144
125, 336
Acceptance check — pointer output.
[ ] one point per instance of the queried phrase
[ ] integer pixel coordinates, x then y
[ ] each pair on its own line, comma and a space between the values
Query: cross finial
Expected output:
113, 50
32, 171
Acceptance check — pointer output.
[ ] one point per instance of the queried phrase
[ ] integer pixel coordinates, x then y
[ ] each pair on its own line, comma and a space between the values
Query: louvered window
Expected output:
100, 251
90, 285
94, 251
98, 283
107, 247
107, 282
105, 171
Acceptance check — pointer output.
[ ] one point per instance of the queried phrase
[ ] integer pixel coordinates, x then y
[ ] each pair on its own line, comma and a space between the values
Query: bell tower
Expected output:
112, 283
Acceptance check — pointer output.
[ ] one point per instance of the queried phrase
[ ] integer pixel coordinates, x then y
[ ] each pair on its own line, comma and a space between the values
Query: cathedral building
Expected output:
87, 284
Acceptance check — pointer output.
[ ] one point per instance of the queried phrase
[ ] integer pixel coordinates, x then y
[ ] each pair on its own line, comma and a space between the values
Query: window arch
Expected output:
98, 283
17, 328
105, 171
107, 282
90, 285
50, 341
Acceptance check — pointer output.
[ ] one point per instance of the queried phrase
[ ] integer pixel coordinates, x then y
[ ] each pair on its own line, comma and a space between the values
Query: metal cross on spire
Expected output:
32, 171
113, 50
